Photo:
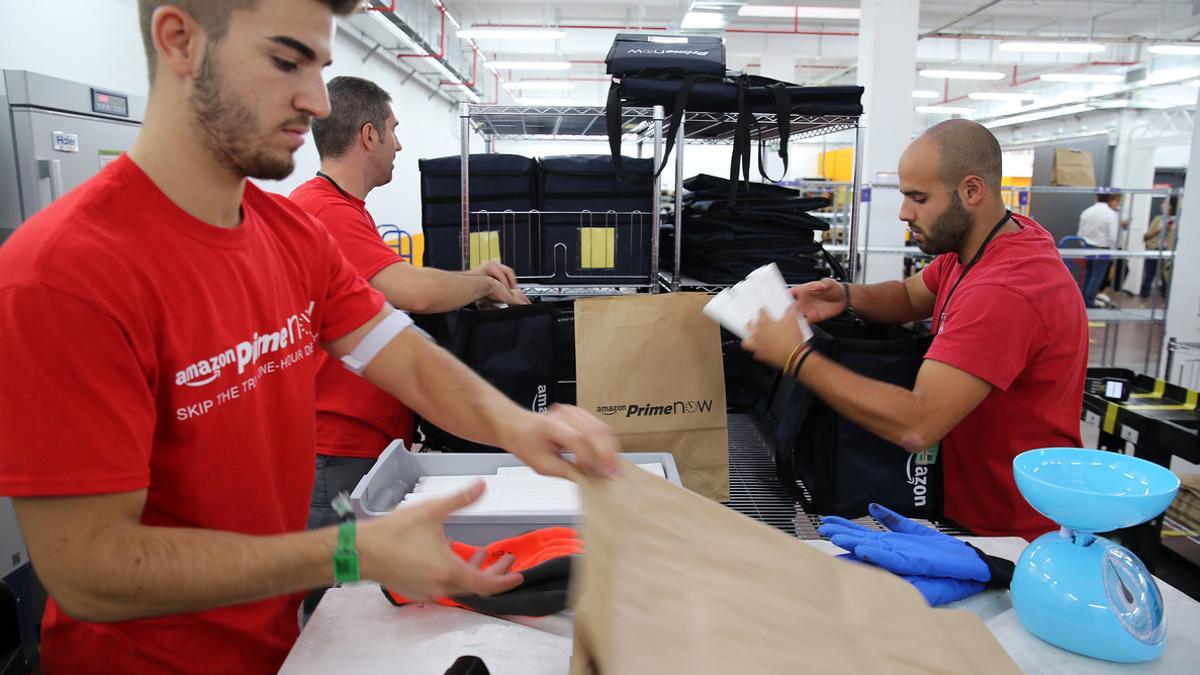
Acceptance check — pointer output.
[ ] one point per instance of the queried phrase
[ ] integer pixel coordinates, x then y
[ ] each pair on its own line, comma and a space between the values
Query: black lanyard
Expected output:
337, 187
976, 259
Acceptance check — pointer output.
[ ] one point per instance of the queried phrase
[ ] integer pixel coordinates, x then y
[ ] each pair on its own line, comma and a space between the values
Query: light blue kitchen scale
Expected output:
1073, 589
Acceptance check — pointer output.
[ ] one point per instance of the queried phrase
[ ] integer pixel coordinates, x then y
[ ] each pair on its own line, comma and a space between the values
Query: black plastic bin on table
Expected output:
596, 229
498, 183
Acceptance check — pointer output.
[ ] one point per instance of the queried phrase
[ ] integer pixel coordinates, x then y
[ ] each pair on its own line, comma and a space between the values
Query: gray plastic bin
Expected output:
397, 471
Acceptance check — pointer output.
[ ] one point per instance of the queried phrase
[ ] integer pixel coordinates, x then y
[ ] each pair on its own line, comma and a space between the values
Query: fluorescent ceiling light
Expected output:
540, 85
925, 93
1052, 47
528, 65
702, 20
546, 101
944, 110
1082, 77
1175, 50
1171, 76
511, 34
784, 12
961, 74
1002, 96
1039, 115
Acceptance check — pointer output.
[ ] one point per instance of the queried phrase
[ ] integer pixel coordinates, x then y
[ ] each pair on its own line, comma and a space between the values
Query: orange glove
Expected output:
544, 589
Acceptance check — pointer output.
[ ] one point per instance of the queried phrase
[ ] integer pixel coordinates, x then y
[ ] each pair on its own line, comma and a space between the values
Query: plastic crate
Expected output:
397, 471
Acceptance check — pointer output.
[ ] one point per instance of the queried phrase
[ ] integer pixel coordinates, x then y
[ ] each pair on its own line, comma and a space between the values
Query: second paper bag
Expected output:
650, 366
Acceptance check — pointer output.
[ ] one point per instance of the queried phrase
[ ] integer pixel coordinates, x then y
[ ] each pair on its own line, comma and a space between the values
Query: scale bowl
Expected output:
1093, 490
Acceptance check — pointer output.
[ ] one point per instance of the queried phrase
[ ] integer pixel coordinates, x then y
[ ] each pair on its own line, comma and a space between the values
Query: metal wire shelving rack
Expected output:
569, 123
707, 128
640, 125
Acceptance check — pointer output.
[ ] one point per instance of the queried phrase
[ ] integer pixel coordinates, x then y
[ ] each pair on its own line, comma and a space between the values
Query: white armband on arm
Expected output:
374, 341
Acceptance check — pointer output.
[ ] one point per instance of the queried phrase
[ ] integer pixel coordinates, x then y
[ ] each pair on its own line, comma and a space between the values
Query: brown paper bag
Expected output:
673, 583
650, 365
1073, 168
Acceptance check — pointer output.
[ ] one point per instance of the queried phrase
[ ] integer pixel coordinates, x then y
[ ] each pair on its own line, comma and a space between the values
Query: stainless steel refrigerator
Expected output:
54, 135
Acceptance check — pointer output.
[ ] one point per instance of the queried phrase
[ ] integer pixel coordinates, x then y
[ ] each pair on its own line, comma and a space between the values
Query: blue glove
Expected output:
907, 549
940, 590
936, 590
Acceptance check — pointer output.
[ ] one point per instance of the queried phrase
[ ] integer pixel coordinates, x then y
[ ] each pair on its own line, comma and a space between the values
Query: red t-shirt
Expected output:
143, 349
1018, 322
354, 417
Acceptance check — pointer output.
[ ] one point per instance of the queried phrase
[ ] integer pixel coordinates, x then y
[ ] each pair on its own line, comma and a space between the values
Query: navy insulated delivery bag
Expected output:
687, 78
617, 226
635, 53
513, 349
498, 183
844, 467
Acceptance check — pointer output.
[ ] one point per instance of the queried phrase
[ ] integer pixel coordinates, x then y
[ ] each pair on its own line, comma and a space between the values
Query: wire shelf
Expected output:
543, 123
639, 124
1184, 358
561, 249
709, 128
515, 122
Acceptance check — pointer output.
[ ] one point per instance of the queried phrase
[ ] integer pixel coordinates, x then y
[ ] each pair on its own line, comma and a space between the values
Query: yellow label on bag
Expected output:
598, 247
485, 247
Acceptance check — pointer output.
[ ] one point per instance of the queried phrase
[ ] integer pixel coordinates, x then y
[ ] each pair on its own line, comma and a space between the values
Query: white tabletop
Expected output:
355, 629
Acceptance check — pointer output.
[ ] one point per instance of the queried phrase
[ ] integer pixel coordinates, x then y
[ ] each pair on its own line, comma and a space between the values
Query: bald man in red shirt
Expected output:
1006, 369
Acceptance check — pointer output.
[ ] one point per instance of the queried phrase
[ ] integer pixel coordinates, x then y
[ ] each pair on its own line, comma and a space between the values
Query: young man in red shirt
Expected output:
1006, 369
356, 420
158, 327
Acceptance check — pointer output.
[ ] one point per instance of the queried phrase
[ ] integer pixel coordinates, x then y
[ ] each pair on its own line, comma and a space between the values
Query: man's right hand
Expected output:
502, 294
820, 300
407, 552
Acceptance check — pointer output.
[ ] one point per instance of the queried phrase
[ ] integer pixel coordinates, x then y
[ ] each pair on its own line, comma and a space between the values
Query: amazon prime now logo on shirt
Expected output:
247, 352
636, 409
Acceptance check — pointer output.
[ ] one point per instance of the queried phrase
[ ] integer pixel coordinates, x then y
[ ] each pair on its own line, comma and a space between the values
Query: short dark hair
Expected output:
213, 16
1107, 197
967, 148
353, 103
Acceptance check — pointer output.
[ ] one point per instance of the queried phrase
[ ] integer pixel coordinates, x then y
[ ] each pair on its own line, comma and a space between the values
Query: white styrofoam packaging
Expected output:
397, 472
764, 289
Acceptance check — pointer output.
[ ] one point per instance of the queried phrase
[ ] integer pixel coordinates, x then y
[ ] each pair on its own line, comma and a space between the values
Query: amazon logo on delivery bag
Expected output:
650, 410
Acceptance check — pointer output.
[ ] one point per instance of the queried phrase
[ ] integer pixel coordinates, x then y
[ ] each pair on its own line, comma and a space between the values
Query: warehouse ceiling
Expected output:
958, 33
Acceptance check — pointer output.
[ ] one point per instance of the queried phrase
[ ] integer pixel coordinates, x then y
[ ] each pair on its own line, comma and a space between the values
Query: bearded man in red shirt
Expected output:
1006, 368
159, 326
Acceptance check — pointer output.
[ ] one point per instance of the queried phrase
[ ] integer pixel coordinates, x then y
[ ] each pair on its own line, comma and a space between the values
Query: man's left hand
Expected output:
541, 440
773, 341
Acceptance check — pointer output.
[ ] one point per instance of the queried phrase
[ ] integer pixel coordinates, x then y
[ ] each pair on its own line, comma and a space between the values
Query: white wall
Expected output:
99, 42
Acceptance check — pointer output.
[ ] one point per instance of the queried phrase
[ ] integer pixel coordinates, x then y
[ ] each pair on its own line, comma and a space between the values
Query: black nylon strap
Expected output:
783, 122
613, 118
347, 195
739, 163
612, 115
972, 263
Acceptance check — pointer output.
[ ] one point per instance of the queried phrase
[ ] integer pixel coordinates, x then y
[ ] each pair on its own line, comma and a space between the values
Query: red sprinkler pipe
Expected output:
763, 31
1065, 69
441, 54
474, 71
565, 25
